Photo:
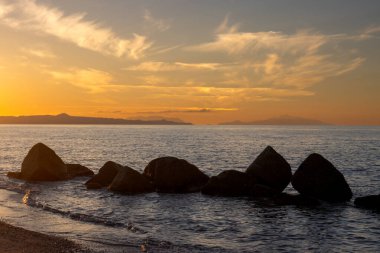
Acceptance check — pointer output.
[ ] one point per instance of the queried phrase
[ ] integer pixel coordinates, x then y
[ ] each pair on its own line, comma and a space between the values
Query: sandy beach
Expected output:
17, 240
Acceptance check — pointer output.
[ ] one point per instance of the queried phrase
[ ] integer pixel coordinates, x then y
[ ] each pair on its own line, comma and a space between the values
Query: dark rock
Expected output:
285, 199
262, 191
318, 178
368, 202
77, 170
93, 185
105, 176
271, 169
16, 175
130, 181
173, 175
229, 183
121, 179
41, 164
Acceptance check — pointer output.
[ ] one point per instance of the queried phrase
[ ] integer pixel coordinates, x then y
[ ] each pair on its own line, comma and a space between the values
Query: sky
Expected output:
203, 61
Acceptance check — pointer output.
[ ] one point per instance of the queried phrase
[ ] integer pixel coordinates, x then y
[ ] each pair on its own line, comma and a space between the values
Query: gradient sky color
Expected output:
204, 61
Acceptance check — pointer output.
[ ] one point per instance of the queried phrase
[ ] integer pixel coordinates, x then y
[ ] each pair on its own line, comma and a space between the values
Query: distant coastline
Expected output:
281, 120
66, 119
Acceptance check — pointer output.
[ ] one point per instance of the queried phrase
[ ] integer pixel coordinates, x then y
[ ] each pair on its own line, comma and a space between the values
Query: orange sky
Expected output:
132, 59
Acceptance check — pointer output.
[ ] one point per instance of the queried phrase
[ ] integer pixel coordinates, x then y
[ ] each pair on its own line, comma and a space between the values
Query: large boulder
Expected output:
77, 170
105, 176
368, 202
173, 175
121, 179
318, 178
270, 169
41, 164
229, 183
130, 181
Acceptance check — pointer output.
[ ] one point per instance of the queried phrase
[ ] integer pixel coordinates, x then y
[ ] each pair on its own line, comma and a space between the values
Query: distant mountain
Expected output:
156, 118
281, 120
78, 120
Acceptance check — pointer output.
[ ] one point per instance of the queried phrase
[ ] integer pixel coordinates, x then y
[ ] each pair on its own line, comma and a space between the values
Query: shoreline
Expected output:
15, 239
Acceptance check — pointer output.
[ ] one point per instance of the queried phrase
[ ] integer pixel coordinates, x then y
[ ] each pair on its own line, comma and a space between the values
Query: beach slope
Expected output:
16, 240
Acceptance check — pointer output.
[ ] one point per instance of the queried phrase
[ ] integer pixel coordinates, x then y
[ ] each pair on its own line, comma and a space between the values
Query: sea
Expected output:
108, 222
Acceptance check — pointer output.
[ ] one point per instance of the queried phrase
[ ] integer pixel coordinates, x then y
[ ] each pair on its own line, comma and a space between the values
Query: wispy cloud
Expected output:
159, 24
214, 96
269, 58
39, 52
233, 42
224, 27
176, 66
74, 28
369, 32
5, 9
266, 59
91, 80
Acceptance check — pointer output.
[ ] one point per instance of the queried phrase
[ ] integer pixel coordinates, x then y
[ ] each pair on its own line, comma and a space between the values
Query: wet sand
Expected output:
19, 240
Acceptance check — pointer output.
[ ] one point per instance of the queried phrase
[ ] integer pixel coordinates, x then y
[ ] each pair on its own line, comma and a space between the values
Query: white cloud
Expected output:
74, 28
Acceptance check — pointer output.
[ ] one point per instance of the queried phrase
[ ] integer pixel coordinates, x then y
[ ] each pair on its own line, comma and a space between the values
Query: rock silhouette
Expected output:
267, 176
318, 178
173, 175
77, 170
229, 183
120, 179
271, 169
130, 181
43, 164
368, 202
105, 176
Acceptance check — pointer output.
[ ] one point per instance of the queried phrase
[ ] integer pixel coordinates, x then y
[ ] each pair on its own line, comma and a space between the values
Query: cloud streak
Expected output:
269, 58
91, 80
75, 28
39, 52
176, 66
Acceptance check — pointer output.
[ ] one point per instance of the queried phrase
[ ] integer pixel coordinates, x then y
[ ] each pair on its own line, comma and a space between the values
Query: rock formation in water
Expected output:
270, 169
43, 164
130, 181
267, 176
173, 175
105, 176
121, 179
229, 183
78, 170
368, 202
318, 178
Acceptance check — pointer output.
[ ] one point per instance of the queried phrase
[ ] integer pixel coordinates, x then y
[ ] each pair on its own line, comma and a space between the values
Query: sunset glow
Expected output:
205, 62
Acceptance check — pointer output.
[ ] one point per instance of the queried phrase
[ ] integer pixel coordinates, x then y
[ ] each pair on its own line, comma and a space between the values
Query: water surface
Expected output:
192, 222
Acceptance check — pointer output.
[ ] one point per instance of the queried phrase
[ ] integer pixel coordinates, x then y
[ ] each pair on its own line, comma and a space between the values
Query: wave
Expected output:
30, 201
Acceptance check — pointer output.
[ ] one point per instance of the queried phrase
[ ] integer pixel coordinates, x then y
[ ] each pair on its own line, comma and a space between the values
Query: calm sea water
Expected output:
192, 222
